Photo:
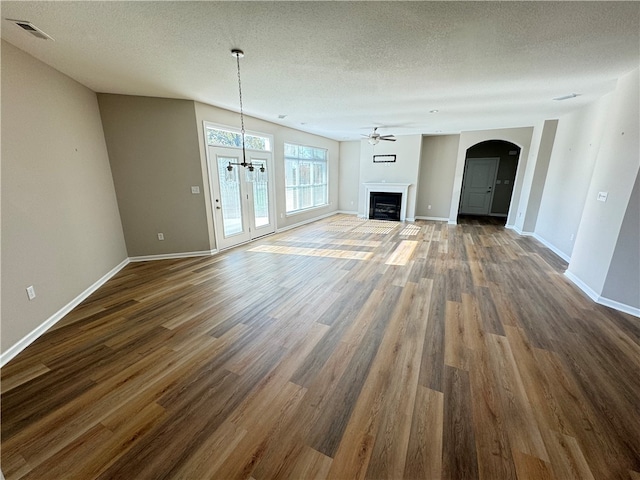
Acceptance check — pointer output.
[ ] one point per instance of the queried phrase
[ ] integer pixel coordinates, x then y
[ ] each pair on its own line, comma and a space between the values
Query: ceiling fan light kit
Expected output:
374, 137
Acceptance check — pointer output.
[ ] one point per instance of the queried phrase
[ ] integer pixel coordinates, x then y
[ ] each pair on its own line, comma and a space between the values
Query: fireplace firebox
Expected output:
385, 206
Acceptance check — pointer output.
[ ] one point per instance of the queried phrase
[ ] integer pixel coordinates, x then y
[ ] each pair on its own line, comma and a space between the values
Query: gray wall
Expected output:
437, 169
61, 230
623, 279
154, 155
539, 168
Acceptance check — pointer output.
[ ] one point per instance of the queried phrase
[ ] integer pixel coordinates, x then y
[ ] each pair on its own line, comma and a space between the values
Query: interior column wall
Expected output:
615, 171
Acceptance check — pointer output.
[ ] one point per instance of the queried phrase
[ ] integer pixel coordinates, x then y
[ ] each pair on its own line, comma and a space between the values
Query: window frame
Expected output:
226, 128
311, 161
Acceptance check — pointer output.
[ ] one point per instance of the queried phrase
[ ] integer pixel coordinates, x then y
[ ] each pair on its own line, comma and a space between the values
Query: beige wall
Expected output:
349, 176
155, 160
437, 169
61, 230
281, 135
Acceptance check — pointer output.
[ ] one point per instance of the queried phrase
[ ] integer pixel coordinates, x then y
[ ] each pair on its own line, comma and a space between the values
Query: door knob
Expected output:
218, 208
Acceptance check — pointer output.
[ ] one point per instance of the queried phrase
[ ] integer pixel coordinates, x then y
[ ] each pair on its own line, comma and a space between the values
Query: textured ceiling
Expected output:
339, 68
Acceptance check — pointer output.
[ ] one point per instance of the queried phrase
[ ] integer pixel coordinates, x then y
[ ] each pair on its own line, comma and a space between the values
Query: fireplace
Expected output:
385, 187
385, 205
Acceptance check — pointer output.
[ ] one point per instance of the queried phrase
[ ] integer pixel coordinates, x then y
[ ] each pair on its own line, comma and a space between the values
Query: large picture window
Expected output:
305, 177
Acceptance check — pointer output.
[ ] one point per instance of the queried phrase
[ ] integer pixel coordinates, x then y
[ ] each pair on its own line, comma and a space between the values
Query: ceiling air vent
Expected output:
31, 28
567, 97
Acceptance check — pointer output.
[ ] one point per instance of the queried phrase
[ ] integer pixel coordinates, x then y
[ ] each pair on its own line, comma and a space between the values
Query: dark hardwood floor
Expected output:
343, 349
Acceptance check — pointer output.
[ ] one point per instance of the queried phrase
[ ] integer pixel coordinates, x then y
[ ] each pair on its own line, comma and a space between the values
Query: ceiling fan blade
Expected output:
387, 136
388, 139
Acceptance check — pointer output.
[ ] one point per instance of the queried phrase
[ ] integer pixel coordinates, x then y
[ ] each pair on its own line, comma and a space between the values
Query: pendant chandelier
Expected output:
248, 165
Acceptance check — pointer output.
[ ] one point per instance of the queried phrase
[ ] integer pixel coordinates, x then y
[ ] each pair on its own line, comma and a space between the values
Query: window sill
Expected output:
305, 210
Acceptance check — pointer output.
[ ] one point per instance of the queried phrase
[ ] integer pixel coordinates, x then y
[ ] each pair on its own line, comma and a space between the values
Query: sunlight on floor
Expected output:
313, 252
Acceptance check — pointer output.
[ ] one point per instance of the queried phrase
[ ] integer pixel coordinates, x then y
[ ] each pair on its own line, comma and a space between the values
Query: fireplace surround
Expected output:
383, 187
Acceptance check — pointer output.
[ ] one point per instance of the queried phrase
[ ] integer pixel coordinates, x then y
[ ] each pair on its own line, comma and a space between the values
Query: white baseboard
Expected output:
347, 212
52, 320
519, 231
582, 286
304, 222
600, 299
620, 306
452, 222
435, 219
171, 256
552, 247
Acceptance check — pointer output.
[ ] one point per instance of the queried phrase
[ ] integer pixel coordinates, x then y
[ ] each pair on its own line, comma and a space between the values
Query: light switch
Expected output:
602, 196
195, 189
31, 292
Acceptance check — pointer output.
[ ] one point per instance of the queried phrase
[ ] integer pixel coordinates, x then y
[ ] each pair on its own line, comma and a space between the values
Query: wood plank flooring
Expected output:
344, 349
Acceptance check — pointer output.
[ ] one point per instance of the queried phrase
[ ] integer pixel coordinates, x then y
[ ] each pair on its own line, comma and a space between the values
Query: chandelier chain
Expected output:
244, 157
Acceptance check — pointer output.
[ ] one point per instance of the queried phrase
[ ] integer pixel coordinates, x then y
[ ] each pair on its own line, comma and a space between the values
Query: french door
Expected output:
242, 207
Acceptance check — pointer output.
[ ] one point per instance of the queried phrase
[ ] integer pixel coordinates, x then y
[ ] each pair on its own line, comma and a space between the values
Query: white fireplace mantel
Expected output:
384, 187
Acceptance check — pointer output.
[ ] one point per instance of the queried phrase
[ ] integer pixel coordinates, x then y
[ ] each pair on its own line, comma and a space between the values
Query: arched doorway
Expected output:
488, 179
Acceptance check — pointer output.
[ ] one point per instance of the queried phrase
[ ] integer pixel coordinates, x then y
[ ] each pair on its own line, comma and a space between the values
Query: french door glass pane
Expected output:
260, 195
230, 197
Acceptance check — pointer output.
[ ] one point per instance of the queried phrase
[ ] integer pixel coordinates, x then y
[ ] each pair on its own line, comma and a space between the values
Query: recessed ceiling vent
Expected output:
31, 28
567, 97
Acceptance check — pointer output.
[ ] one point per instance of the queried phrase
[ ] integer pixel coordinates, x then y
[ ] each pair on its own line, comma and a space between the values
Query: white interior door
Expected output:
478, 181
242, 209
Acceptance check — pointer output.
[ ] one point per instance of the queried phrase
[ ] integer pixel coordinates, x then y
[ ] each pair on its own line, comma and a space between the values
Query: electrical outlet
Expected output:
161, 236
195, 189
282, 215
428, 207
31, 292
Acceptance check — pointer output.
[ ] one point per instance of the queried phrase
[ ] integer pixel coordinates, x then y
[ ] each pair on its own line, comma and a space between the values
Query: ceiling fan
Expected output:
374, 137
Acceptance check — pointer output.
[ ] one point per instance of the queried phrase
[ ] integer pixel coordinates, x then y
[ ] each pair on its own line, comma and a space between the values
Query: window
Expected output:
233, 139
305, 177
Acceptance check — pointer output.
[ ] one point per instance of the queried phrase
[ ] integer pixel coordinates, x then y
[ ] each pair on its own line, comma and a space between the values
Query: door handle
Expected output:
218, 208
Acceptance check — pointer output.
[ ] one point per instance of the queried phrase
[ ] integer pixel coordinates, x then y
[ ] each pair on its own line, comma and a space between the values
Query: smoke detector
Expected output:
31, 28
